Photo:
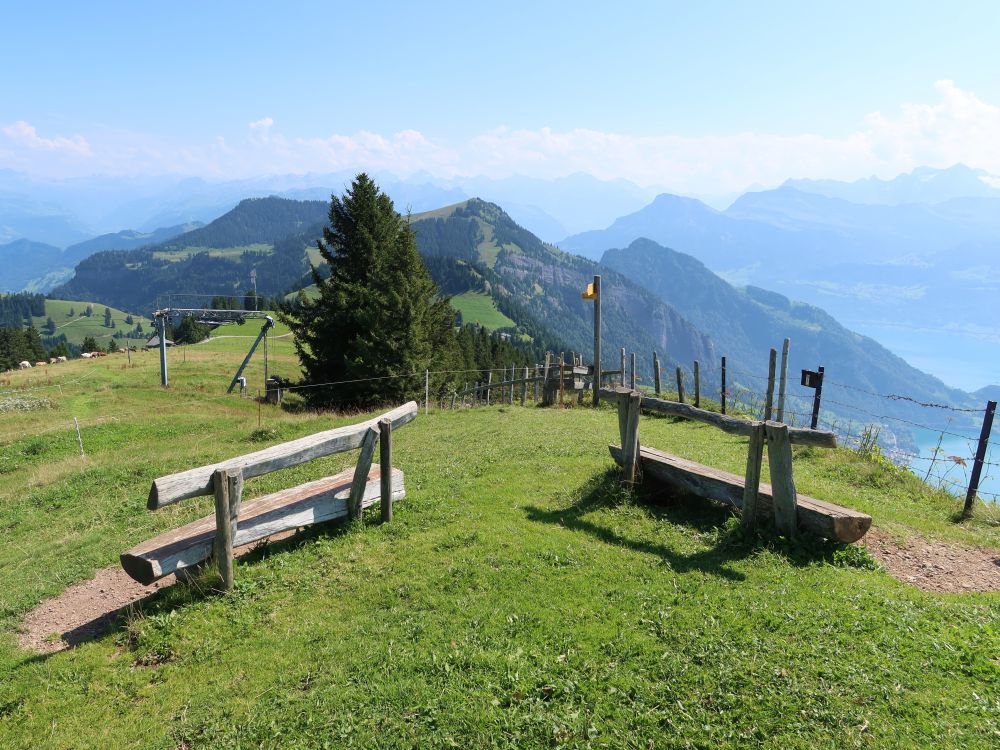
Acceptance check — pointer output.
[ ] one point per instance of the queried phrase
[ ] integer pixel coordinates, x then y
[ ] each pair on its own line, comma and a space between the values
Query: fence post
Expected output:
524, 386
385, 467
769, 397
489, 382
783, 380
722, 392
977, 467
680, 385
597, 340
535, 389
656, 374
562, 379
784, 496
622, 376
427, 389
816, 399
697, 384
632, 375
228, 486
751, 485
79, 438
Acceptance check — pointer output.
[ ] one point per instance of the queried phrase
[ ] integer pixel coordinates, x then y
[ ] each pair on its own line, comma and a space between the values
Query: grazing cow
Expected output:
86, 355
24, 365
52, 360
40, 364
60, 359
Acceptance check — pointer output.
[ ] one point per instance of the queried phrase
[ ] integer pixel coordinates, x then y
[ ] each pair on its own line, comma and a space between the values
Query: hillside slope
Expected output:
519, 598
529, 278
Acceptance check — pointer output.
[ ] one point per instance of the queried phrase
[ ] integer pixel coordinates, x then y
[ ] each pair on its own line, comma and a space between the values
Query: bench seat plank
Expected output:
314, 502
818, 517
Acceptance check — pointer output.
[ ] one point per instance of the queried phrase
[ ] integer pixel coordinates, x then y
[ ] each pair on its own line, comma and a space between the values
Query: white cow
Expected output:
25, 365
60, 359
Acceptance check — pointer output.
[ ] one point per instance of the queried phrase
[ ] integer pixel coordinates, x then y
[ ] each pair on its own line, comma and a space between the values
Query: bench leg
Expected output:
228, 484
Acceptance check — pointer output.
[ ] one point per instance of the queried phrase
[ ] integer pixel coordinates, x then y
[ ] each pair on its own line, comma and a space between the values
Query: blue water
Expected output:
947, 472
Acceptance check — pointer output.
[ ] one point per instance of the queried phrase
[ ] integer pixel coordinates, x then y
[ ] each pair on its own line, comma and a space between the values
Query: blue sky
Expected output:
705, 99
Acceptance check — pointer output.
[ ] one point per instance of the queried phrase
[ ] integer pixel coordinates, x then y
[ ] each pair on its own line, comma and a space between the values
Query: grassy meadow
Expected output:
77, 327
478, 307
519, 598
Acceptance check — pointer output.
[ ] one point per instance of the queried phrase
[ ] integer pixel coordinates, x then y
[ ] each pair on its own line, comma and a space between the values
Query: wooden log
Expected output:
622, 377
656, 374
630, 438
769, 397
680, 386
620, 395
729, 424
364, 465
751, 482
697, 384
314, 502
779, 456
783, 380
228, 485
817, 517
632, 375
198, 482
384, 469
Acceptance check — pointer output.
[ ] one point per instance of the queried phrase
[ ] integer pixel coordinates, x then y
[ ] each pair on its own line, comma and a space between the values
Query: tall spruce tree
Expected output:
378, 319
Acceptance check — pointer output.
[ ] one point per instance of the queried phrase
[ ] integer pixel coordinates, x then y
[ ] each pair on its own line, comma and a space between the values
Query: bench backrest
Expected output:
197, 482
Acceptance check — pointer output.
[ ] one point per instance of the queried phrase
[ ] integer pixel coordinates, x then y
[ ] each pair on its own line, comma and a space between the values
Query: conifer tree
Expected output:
378, 318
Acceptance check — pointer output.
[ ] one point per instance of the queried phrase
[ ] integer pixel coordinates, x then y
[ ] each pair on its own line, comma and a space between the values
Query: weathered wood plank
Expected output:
197, 482
732, 425
630, 438
779, 457
228, 485
751, 482
818, 517
314, 502
361, 470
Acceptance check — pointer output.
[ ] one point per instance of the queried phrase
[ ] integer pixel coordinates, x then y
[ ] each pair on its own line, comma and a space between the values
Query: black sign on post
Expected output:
810, 378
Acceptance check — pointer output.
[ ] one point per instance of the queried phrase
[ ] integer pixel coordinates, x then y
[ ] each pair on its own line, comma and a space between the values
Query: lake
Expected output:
946, 470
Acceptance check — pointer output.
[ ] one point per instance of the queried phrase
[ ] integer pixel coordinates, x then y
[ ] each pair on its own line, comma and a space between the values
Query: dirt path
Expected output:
936, 566
84, 611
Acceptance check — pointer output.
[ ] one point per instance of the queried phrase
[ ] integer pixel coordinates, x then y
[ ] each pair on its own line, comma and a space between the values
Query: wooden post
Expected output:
722, 391
632, 374
630, 443
513, 370
622, 415
680, 385
751, 486
785, 499
454, 395
489, 382
385, 467
535, 389
546, 387
977, 467
161, 323
524, 386
361, 473
427, 389
228, 487
597, 340
562, 378
816, 399
783, 381
656, 374
769, 398
622, 376
697, 384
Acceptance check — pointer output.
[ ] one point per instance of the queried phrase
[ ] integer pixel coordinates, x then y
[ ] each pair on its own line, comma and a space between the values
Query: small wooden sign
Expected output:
810, 378
590, 293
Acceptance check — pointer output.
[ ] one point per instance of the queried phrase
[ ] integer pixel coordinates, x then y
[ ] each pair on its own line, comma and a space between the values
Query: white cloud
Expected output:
956, 127
24, 134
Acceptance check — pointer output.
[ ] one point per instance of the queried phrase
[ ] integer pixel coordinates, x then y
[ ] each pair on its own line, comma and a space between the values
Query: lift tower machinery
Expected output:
213, 318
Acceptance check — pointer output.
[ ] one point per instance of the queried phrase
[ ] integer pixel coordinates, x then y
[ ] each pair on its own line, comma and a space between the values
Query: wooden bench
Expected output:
235, 523
778, 501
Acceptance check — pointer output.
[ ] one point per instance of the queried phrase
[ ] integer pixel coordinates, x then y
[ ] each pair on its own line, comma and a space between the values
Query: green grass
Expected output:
477, 307
519, 598
77, 327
